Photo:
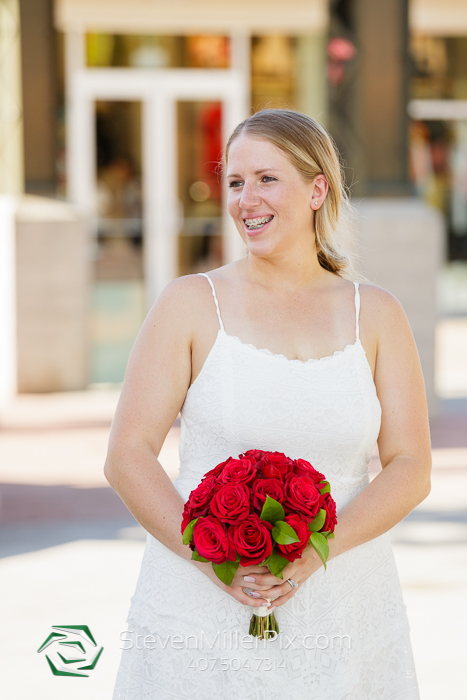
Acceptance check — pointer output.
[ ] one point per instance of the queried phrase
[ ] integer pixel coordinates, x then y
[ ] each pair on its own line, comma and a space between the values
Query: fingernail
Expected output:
255, 594
273, 608
250, 579
266, 604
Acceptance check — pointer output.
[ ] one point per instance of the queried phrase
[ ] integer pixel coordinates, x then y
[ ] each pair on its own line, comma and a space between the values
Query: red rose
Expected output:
327, 502
302, 496
267, 487
187, 515
211, 541
238, 470
251, 539
275, 465
254, 456
304, 468
217, 470
294, 551
200, 498
231, 502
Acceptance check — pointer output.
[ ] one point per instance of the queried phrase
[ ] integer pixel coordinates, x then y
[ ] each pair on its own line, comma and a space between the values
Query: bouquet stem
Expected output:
263, 624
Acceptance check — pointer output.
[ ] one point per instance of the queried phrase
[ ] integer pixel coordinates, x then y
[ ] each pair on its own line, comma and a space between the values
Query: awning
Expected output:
439, 17
181, 17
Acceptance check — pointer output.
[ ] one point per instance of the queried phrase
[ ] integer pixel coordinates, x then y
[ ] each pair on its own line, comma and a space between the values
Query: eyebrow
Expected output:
257, 172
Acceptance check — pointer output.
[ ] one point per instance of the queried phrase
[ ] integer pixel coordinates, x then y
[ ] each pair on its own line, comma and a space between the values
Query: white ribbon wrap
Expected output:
263, 611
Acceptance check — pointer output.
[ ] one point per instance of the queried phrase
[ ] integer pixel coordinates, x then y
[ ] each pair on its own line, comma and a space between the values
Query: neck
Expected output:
286, 272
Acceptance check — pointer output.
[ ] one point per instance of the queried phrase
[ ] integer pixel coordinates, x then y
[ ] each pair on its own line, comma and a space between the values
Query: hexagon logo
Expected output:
72, 650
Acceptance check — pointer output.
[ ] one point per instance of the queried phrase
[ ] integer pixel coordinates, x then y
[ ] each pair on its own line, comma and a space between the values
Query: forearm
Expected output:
393, 494
147, 491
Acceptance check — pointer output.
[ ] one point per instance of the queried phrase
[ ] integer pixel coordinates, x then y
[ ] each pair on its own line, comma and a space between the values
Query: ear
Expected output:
319, 191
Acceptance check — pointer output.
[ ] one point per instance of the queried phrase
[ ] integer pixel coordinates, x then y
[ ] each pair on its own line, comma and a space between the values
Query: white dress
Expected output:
345, 633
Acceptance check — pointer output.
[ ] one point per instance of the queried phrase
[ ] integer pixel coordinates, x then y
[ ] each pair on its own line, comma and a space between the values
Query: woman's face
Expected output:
270, 203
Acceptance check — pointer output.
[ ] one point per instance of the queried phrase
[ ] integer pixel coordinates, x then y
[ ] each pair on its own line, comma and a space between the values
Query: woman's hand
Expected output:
279, 589
257, 598
255, 585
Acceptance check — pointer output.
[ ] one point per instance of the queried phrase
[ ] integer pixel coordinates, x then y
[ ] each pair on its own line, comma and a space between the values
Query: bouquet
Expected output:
262, 508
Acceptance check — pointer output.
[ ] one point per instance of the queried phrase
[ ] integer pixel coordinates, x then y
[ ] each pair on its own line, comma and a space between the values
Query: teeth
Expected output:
258, 222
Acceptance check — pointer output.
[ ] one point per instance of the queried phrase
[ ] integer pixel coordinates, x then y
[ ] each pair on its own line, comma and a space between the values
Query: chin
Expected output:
260, 249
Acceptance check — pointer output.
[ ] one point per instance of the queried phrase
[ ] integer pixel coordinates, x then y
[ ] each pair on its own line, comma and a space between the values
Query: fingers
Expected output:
248, 599
244, 570
262, 581
284, 592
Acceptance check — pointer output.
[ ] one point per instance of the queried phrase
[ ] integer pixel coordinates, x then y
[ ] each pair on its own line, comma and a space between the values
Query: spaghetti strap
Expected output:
215, 298
357, 310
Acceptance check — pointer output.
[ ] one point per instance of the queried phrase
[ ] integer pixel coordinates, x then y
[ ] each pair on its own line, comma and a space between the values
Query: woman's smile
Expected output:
257, 224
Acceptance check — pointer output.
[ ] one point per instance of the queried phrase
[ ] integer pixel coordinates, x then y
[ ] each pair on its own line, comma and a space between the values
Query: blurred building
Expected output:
127, 104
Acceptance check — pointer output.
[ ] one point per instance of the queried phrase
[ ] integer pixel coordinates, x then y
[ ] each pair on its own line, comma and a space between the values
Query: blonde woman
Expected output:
277, 351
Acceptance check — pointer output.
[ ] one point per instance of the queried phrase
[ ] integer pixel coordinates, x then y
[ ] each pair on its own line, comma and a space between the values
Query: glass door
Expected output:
143, 158
199, 150
117, 290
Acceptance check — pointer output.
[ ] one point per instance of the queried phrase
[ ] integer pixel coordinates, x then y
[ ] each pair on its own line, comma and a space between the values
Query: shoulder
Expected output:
379, 304
186, 307
382, 316
184, 297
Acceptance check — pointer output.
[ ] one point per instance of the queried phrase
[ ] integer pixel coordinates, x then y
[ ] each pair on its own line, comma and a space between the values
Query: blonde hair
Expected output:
313, 152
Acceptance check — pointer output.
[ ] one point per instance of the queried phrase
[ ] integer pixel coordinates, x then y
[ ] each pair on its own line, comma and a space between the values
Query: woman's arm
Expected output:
156, 382
404, 441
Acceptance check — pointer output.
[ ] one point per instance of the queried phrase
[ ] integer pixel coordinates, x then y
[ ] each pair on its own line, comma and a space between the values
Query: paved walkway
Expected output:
70, 552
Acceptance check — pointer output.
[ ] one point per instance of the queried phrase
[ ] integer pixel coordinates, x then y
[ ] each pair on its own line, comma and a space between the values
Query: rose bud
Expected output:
302, 497
267, 487
238, 470
328, 503
251, 538
211, 541
231, 502
294, 551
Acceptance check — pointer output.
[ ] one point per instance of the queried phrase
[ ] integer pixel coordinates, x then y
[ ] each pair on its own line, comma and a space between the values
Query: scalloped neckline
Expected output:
279, 356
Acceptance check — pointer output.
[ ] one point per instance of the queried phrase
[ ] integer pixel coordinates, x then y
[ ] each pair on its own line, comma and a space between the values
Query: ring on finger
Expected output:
293, 583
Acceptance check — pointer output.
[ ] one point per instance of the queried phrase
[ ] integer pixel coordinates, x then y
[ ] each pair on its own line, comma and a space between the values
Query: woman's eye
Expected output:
268, 178
234, 184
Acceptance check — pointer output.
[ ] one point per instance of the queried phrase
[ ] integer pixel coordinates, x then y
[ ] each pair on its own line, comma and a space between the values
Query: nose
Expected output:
248, 198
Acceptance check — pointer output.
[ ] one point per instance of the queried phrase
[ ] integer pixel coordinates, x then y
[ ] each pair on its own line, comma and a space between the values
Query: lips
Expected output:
257, 222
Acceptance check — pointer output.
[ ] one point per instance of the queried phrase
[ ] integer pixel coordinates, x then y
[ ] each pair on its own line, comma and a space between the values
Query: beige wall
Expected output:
401, 245
52, 259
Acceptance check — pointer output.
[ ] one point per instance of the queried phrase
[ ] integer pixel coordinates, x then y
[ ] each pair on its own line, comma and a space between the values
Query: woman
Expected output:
330, 383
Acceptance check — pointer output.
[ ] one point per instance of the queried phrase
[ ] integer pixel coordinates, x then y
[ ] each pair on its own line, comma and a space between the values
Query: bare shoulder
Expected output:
380, 309
184, 301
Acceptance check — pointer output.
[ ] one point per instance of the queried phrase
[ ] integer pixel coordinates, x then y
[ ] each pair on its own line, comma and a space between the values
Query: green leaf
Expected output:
276, 564
188, 532
197, 557
326, 488
272, 510
283, 533
265, 562
328, 534
226, 571
318, 522
321, 546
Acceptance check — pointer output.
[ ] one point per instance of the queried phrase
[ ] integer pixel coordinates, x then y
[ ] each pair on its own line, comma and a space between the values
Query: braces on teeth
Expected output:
257, 223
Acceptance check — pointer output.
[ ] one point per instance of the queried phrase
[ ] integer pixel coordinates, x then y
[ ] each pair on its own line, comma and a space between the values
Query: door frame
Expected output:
158, 91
